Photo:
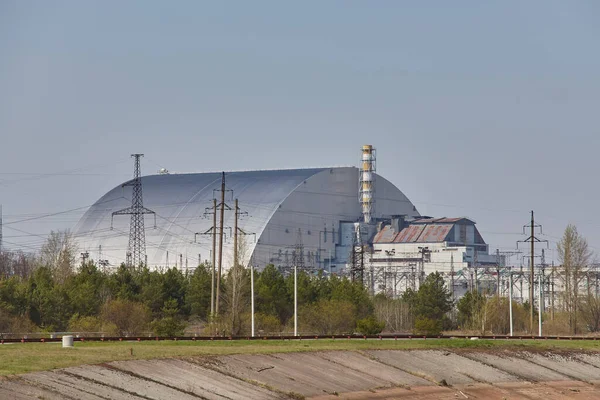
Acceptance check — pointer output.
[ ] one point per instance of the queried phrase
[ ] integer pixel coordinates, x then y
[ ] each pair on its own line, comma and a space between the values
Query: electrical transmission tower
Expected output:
136, 250
532, 239
357, 258
298, 254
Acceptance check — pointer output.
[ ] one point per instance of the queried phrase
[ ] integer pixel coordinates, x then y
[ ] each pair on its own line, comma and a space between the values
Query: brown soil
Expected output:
560, 390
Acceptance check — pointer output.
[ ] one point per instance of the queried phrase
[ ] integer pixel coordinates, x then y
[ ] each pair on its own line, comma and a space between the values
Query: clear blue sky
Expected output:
479, 109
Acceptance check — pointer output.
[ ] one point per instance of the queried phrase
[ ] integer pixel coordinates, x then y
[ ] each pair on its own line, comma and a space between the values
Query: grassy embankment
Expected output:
20, 358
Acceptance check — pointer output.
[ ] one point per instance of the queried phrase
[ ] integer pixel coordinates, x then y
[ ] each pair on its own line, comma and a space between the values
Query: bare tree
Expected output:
237, 286
59, 252
590, 312
575, 255
16, 263
395, 313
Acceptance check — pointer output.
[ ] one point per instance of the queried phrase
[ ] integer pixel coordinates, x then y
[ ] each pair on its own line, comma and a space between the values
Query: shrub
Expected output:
267, 324
428, 326
130, 318
91, 326
168, 327
328, 317
369, 325
170, 324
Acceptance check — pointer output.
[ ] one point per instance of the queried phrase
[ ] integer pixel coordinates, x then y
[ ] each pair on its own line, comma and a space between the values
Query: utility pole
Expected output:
505, 257
541, 285
214, 260
552, 293
84, 257
372, 278
295, 300
235, 234
218, 289
532, 239
542, 282
498, 273
252, 295
521, 277
216, 269
213, 233
475, 262
238, 231
452, 275
423, 251
510, 297
136, 250
532, 271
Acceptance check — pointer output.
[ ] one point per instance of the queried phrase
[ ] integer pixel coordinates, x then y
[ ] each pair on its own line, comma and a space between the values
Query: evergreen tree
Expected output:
272, 297
197, 298
469, 306
430, 304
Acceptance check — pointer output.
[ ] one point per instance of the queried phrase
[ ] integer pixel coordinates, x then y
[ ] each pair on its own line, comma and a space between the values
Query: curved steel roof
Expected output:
180, 202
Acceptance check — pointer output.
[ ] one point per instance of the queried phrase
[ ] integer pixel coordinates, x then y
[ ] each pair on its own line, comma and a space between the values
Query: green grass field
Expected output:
20, 358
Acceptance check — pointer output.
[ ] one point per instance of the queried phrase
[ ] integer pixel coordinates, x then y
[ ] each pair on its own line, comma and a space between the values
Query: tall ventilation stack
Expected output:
367, 183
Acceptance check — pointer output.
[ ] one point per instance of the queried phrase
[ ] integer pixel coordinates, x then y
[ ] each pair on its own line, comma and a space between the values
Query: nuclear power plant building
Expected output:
315, 210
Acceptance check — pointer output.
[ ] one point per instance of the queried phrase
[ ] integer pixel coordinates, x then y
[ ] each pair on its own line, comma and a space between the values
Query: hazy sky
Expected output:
478, 109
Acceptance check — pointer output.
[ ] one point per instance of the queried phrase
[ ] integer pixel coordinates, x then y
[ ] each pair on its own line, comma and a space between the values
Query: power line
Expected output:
36, 176
137, 234
61, 212
532, 239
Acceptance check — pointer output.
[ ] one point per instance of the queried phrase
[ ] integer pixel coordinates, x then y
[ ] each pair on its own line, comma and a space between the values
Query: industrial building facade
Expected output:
405, 251
342, 220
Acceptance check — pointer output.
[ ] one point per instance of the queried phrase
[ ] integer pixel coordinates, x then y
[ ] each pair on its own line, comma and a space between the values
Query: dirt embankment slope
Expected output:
377, 374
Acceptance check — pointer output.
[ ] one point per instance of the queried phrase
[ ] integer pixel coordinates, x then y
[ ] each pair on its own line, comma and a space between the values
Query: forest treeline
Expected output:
49, 293
170, 303
136, 301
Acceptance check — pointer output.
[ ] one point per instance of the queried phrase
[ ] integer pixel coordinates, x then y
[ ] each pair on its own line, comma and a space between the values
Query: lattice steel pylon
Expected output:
136, 250
357, 257
298, 254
